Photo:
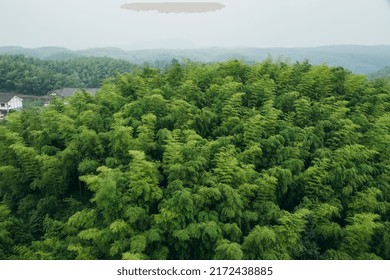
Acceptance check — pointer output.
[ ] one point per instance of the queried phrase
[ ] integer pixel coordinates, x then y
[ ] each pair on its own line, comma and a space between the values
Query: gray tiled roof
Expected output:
66, 92
5, 97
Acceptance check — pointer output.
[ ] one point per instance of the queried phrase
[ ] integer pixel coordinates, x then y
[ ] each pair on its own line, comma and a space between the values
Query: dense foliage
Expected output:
220, 161
35, 76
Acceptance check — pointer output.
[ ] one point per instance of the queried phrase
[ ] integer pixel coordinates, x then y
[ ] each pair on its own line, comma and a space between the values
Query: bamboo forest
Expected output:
217, 161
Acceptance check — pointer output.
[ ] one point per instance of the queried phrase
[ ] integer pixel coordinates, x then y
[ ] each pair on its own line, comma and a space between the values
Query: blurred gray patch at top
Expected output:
175, 7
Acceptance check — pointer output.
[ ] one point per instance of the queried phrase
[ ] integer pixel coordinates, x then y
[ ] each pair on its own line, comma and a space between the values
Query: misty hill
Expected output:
383, 73
359, 59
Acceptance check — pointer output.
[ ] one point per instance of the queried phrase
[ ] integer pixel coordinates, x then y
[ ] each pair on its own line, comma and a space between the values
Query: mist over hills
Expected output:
383, 73
359, 59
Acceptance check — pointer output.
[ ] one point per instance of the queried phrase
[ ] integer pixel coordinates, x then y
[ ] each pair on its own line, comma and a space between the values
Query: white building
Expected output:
9, 102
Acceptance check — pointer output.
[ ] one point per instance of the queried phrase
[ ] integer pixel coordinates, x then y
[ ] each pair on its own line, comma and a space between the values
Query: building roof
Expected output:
66, 92
6, 97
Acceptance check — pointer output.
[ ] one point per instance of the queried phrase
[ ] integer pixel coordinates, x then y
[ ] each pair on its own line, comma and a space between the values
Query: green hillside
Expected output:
219, 161
28, 75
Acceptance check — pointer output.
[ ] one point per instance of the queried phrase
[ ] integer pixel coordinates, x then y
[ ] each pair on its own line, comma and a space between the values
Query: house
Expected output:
67, 92
8, 102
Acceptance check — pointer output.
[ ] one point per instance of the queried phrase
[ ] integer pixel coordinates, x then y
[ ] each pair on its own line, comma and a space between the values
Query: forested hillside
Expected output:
35, 76
359, 59
219, 161
383, 73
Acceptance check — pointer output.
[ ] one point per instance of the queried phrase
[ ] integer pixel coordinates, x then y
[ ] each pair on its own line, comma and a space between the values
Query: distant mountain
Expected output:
359, 59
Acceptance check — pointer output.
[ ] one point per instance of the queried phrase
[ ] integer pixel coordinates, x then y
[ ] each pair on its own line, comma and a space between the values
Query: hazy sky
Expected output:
79, 24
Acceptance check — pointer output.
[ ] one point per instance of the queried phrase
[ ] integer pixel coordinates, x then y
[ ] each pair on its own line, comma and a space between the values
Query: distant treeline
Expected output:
358, 59
31, 75
35, 76
384, 73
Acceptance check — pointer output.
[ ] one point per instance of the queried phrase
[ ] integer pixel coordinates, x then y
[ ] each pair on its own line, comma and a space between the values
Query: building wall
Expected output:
15, 103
